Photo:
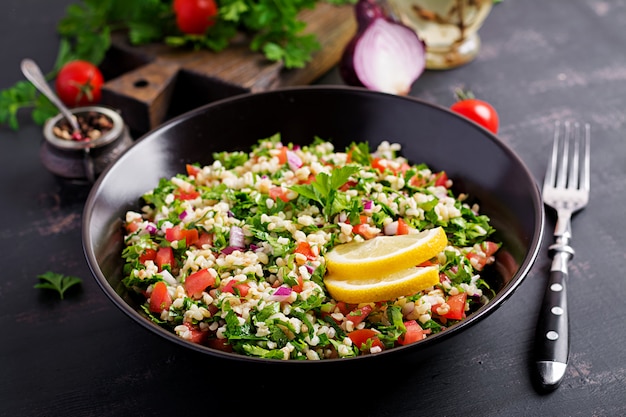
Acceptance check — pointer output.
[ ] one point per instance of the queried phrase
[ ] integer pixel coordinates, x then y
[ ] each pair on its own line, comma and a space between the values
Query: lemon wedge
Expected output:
396, 284
383, 255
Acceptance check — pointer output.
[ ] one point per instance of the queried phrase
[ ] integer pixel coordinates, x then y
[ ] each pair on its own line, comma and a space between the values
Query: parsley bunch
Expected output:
86, 29
274, 25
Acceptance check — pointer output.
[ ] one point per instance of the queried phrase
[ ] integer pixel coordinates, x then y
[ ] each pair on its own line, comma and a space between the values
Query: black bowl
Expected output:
478, 162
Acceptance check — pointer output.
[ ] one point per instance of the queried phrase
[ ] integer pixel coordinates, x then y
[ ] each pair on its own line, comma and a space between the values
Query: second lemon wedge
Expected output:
383, 255
404, 282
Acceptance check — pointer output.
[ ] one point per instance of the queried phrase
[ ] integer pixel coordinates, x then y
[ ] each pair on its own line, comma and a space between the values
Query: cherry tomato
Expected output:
79, 83
194, 17
477, 110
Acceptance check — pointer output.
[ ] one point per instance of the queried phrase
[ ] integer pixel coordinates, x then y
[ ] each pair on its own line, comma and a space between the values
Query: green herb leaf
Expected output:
324, 190
57, 282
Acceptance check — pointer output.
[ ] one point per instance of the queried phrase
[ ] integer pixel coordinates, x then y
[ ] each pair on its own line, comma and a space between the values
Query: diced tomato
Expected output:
191, 236
304, 248
192, 170
478, 261
132, 226
441, 179
427, 262
147, 255
379, 164
173, 233
197, 335
344, 308
489, 247
364, 230
198, 282
181, 194
300, 286
282, 156
308, 180
204, 239
457, 307
348, 185
403, 227
164, 256
357, 315
219, 344
383, 164
278, 192
417, 181
403, 168
160, 299
362, 226
414, 333
361, 336
177, 233
232, 286
212, 307
349, 155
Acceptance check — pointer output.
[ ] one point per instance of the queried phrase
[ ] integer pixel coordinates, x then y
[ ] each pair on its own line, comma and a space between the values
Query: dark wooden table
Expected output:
540, 61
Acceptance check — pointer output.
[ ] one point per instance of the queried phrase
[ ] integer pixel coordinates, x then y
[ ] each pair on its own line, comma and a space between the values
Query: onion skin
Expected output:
346, 65
366, 11
384, 55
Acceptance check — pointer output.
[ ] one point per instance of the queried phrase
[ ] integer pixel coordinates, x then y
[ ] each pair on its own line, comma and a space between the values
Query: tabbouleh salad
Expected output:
231, 255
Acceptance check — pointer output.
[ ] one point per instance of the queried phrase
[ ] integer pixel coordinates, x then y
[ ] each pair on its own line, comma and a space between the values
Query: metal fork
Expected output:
566, 190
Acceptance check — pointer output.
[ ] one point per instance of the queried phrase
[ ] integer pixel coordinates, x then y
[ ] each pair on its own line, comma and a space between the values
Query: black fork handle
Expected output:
552, 335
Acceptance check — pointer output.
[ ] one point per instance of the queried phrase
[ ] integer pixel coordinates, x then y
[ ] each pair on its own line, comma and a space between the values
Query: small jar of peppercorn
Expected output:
82, 156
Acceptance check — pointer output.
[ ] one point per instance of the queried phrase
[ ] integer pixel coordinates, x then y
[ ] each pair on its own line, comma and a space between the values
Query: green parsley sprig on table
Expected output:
57, 282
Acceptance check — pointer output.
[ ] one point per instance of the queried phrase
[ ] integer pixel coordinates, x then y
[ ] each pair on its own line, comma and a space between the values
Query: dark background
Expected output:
540, 62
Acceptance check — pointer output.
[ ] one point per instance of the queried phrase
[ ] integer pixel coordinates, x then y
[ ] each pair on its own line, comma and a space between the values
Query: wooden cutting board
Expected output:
152, 83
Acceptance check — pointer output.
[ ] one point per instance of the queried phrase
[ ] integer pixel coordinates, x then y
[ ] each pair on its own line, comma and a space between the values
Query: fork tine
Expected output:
549, 179
561, 180
584, 176
574, 174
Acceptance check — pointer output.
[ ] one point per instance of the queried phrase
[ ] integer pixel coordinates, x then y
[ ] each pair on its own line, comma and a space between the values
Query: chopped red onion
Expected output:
182, 215
281, 294
367, 205
293, 160
229, 249
151, 228
237, 238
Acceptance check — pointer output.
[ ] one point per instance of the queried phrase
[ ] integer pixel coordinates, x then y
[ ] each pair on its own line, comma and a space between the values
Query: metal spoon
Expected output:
33, 74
